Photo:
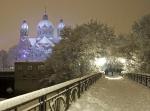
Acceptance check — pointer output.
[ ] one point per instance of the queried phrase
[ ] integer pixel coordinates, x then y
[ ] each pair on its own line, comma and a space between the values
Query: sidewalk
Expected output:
114, 95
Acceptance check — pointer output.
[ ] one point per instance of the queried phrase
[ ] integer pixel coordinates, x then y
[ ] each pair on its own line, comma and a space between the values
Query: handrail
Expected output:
140, 78
54, 98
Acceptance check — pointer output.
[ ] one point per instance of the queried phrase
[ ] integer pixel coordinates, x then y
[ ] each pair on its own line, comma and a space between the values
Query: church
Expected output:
38, 48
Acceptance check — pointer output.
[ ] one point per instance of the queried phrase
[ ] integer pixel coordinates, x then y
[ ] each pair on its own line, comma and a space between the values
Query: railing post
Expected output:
148, 81
42, 102
144, 80
67, 98
79, 89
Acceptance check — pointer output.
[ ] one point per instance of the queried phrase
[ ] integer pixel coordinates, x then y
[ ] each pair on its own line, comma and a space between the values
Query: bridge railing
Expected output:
140, 78
54, 98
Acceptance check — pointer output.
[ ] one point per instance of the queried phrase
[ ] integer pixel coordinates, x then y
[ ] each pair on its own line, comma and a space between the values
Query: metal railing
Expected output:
140, 78
55, 98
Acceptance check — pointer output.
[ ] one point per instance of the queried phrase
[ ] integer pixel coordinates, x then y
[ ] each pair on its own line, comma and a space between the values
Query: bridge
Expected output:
105, 94
6, 82
114, 94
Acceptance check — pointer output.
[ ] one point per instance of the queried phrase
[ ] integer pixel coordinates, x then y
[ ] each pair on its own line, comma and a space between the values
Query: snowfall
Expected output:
114, 94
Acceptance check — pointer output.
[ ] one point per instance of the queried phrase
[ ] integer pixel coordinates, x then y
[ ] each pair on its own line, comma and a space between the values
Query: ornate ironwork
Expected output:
55, 98
140, 78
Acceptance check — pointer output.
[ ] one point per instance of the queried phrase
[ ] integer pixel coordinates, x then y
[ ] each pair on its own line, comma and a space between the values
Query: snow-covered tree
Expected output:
79, 46
141, 30
135, 47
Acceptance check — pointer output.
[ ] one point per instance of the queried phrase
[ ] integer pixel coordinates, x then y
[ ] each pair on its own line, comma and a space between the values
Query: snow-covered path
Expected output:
114, 95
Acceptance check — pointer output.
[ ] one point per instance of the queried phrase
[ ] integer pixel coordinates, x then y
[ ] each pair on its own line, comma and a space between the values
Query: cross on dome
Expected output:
45, 16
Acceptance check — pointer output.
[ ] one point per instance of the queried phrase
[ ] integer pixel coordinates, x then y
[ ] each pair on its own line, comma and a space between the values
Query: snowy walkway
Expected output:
114, 95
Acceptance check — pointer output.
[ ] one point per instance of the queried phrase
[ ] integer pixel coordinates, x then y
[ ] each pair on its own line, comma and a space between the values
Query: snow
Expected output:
113, 94
45, 40
35, 94
46, 23
32, 41
113, 77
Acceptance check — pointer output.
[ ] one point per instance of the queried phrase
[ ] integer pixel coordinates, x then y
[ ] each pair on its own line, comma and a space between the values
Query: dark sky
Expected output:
119, 14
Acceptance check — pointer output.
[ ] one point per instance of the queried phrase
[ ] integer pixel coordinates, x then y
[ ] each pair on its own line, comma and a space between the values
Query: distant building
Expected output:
28, 76
40, 47
3, 60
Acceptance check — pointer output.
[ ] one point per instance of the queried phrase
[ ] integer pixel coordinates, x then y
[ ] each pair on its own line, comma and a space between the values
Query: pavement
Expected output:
114, 94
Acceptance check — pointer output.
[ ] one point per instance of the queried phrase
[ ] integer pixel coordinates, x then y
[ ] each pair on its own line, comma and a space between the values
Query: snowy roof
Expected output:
44, 23
32, 41
45, 40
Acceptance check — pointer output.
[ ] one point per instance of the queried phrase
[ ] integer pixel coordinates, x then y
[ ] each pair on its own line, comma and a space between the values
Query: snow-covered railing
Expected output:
140, 78
54, 98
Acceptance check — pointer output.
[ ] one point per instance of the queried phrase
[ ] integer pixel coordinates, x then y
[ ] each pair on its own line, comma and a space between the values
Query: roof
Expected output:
32, 41
45, 40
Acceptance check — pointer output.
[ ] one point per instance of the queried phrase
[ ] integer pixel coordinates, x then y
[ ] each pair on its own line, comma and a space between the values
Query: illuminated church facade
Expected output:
40, 47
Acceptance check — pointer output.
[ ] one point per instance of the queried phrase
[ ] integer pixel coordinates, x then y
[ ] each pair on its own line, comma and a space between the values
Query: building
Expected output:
40, 47
28, 76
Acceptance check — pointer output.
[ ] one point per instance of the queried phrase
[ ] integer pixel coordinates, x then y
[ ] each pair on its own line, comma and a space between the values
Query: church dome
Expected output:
45, 22
24, 25
45, 27
61, 24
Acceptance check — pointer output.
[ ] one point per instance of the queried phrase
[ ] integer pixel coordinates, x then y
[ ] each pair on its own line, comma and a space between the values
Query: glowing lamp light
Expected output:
100, 61
24, 56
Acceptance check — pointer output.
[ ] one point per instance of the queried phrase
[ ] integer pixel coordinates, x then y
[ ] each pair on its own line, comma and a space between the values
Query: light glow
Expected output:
100, 61
24, 56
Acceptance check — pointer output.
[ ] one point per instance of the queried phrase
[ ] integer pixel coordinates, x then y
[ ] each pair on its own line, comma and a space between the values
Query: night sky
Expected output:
119, 14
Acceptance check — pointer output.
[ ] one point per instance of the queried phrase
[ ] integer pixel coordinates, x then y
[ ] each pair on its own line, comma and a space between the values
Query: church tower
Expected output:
40, 47
24, 44
45, 27
60, 27
24, 31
